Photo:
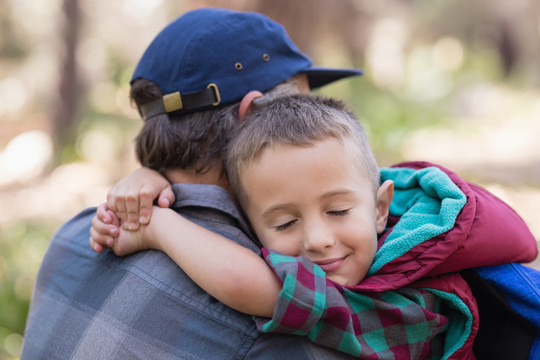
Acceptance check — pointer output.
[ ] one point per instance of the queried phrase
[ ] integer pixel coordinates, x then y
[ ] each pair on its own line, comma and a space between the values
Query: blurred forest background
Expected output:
455, 82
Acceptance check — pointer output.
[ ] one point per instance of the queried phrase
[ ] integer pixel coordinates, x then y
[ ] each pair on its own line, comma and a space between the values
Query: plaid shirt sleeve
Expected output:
402, 324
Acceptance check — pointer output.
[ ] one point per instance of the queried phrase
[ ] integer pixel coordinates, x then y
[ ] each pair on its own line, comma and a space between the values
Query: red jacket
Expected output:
486, 232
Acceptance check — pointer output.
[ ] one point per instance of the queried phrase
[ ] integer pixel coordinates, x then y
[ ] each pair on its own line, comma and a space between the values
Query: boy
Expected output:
292, 166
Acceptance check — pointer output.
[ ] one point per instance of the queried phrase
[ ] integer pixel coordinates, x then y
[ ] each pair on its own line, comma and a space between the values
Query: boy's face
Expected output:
313, 201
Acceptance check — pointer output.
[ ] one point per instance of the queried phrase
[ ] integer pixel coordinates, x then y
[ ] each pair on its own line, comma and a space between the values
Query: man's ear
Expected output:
246, 105
385, 195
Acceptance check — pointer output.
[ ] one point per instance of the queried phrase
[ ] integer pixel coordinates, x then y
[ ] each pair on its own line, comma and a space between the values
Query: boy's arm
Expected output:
233, 274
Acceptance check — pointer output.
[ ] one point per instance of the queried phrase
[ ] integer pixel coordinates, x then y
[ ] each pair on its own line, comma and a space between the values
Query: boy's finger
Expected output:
103, 229
145, 206
95, 246
102, 213
97, 238
132, 210
114, 219
121, 211
111, 201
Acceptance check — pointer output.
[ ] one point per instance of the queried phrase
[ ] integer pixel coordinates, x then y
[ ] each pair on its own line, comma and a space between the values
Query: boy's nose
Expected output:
318, 237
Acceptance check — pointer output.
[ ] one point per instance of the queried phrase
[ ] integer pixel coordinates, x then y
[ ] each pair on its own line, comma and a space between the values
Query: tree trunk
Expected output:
65, 108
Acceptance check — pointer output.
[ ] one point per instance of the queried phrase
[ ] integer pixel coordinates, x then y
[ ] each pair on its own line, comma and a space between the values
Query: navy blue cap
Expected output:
210, 56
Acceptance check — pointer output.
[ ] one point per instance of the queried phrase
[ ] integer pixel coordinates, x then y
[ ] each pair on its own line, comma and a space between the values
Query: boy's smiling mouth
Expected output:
330, 264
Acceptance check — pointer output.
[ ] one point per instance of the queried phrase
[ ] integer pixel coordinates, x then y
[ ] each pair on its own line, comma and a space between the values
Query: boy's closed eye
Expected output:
339, 212
286, 225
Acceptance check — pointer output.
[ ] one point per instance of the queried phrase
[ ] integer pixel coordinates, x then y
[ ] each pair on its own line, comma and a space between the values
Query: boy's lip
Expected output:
330, 264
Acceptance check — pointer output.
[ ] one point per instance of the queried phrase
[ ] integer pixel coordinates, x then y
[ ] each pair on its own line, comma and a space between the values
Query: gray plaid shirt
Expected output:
100, 306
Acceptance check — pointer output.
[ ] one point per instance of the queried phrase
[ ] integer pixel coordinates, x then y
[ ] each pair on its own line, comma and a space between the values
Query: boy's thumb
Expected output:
166, 197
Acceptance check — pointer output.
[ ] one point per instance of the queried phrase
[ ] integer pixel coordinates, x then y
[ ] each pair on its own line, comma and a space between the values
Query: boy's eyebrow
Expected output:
335, 193
284, 206
266, 213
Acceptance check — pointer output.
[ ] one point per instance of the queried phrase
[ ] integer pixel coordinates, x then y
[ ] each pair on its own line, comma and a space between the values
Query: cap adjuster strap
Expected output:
173, 102
182, 102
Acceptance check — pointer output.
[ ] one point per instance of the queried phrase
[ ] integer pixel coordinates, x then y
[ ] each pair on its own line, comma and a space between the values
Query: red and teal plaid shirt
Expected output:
402, 324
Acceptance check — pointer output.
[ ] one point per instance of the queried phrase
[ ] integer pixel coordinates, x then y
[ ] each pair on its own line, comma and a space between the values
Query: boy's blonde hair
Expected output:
300, 120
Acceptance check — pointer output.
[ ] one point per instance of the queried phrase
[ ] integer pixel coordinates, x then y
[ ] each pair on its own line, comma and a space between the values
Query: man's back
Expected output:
99, 306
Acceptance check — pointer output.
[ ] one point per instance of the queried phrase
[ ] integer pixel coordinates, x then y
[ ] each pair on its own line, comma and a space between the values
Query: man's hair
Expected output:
195, 141
300, 120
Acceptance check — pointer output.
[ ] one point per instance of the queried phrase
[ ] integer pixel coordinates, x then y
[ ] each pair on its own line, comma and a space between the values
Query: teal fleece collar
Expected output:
427, 203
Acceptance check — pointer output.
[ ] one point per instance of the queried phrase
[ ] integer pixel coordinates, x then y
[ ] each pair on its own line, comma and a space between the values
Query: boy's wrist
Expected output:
150, 233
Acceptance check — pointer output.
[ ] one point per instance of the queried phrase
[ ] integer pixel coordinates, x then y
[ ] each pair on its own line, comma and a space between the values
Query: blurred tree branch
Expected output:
65, 110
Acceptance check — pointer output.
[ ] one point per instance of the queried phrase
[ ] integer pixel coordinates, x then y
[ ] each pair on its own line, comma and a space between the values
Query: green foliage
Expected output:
22, 246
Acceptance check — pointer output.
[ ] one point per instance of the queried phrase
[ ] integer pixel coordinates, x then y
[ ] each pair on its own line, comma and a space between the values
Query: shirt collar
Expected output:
209, 196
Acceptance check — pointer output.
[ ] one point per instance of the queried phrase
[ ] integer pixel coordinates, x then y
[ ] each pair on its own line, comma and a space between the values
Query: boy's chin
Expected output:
341, 280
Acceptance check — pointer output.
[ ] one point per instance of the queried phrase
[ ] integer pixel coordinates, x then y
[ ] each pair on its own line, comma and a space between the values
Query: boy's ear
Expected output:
385, 195
246, 105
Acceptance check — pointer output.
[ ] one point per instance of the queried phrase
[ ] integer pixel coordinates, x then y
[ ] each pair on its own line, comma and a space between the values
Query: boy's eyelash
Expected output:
285, 226
339, 212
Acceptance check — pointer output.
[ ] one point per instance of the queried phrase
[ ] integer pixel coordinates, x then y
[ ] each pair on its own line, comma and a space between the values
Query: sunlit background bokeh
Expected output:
454, 82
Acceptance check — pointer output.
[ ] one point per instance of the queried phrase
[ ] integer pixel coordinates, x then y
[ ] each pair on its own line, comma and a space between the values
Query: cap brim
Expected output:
319, 76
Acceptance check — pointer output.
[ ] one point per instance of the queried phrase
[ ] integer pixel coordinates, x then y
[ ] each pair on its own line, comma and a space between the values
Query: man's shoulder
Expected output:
78, 224
142, 302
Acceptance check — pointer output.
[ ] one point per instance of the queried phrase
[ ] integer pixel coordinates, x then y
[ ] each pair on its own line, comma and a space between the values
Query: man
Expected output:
187, 86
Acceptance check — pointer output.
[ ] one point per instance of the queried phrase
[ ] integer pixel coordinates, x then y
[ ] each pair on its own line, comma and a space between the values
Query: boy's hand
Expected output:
129, 242
106, 233
132, 197
104, 230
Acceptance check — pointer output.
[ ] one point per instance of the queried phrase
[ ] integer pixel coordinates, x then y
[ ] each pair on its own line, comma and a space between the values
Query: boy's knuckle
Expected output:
145, 192
132, 197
